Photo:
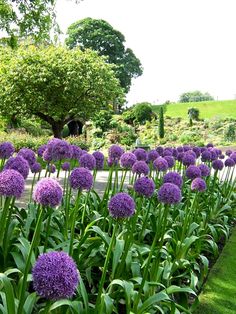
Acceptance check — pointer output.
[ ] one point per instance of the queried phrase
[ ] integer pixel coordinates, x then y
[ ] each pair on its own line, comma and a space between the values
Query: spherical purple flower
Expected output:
47, 156
167, 152
209, 145
229, 162
217, 164
228, 152
48, 192
169, 193
51, 168
160, 164
11, 183
55, 276
188, 159
180, 149
186, 148
81, 179
65, 166
87, 161
205, 170
144, 186
127, 160
59, 149
140, 154
214, 154
221, 156
112, 162
76, 152
99, 157
115, 152
152, 155
206, 155
121, 205
27, 154
175, 153
198, 184
160, 150
233, 156
140, 167
203, 149
197, 151
41, 150
170, 160
19, 164
6, 150
191, 152
36, 167
193, 172
173, 177
180, 156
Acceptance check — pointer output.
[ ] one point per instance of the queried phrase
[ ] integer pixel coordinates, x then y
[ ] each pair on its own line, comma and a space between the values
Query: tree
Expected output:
195, 96
161, 123
100, 36
55, 84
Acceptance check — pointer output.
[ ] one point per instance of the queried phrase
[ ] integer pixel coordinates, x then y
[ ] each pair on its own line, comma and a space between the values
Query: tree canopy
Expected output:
55, 84
100, 36
195, 96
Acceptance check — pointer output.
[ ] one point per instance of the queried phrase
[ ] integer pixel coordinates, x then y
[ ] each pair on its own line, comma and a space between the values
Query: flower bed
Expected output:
139, 247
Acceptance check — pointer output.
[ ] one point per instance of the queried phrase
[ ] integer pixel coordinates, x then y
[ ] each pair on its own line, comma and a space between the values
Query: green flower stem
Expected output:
72, 233
2, 164
50, 211
85, 205
3, 219
102, 281
34, 243
32, 186
145, 220
124, 173
59, 168
67, 210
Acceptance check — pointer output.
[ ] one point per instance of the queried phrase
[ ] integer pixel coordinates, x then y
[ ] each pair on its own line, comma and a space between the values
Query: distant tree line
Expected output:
195, 96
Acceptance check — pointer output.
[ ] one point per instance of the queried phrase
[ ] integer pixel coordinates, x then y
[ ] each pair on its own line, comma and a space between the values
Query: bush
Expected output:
193, 113
34, 127
230, 133
102, 119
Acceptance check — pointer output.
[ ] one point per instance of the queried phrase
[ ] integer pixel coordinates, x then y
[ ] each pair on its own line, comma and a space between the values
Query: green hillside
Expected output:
208, 109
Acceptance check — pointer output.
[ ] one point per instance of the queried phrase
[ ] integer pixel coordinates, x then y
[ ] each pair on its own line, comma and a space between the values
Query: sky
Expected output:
183, 45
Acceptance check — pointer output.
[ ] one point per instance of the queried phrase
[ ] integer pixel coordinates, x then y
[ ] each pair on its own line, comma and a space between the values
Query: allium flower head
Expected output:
27, 154
112, 162
170, 160
214, 154
6, 150
217, 164
47, 156
65, 166
36, 167
140, 167
233, 156
180, 156
144, 186
55, 276
59, 149
99, 157
121, 205
228, 152
81, 179
167, 152
188, 159
140, 154
206, 155
11, 183
205, 170
198, 184
51, 168
169, 193
115, 152
48, 192
76, 152
173, 177
209, 145
160, 164
221, 156
180, 149
41, 150
152, 155
193, 172
87, 161
197, 151
229, 162
160, 150
19, 164
127, 160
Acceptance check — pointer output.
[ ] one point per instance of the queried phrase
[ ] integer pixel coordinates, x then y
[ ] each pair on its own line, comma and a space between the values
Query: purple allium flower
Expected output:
115, 152
169, 193
197, 151
6, 150
160, 150
173, 177
205, 170
221, 156
206, 155
229, 162
121, 205
167, 152
11, 183
188, 159
19, 164
160, 164
140, 167
203, 149
47, 156
152, 155
55, 276
217, 164
175, 153
180, 156
48, 192
228, 152
193, 172
41, 150
27, 154
99, 157
198, 184
76, 152
81, 179
170, 160
180, 149
214, 155
233, 156
112, 162
191, 152
51, 168
36, 167
59, 149
186, 148
140, 154
87, 161
65, 166
144, 186
209, 145
127, 160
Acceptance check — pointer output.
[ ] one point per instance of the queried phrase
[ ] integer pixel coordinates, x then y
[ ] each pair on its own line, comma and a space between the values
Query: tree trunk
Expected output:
57, 128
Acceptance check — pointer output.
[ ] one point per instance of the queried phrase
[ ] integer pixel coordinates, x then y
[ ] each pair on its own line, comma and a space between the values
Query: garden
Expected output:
143, 245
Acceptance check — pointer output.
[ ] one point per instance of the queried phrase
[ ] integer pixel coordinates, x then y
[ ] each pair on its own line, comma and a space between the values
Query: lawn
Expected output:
208, 109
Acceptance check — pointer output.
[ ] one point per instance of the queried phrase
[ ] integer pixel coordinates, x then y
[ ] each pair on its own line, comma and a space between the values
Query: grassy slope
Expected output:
208, 109
219, 293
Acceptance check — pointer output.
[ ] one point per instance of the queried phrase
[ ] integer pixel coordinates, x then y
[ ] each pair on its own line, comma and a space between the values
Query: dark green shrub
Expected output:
129, 116
230, 133
161, 123
143, 112
102, 119
193, 113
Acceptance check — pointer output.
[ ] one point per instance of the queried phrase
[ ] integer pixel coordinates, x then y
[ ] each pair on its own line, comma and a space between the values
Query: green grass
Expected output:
208, 109
219, 293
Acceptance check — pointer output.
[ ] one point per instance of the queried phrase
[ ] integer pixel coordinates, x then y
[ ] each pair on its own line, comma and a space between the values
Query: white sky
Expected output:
183, 45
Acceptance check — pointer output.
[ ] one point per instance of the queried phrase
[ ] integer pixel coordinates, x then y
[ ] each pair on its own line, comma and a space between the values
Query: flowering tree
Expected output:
55, 84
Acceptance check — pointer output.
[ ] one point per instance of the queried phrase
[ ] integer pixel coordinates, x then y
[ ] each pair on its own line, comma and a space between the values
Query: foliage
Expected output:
55, 84
161, 123
102, 119
195, 96
230, 132
129, 116
193, 113
100, 36
138, 113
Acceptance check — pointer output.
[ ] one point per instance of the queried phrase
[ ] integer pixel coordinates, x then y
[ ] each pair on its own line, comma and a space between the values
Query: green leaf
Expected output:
118, 249
156, 298
174, 289
9, 293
